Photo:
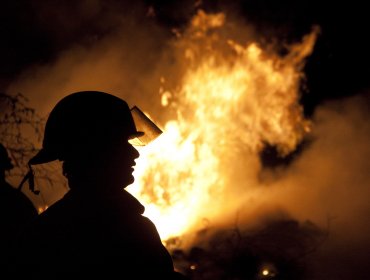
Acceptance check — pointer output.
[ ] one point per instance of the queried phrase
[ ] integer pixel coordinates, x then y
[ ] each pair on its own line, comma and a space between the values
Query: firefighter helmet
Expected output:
82, 121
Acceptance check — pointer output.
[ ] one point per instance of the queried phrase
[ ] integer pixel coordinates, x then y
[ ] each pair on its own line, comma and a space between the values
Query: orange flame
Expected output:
232, 98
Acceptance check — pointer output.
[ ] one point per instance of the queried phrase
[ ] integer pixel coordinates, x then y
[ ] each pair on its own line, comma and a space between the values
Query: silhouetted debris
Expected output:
277, 251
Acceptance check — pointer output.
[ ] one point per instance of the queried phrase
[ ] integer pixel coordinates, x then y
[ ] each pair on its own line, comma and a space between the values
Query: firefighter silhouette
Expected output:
97, 228
16, 209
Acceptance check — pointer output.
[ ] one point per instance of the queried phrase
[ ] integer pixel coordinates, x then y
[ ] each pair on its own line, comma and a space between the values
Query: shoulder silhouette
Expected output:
97, 228
16, 210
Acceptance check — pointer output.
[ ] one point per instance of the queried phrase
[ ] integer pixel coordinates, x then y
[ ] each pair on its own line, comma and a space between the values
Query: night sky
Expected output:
34, 32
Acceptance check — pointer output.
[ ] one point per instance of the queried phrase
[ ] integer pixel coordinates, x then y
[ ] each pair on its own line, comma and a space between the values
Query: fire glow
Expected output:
233, 98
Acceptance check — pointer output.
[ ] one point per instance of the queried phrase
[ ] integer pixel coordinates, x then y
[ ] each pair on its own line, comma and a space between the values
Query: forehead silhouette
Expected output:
83, 120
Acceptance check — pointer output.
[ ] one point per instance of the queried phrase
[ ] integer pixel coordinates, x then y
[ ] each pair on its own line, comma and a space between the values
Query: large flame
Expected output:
232, 98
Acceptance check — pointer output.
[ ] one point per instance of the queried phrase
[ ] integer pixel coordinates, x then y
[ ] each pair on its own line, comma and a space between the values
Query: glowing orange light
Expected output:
232, 98
41, 209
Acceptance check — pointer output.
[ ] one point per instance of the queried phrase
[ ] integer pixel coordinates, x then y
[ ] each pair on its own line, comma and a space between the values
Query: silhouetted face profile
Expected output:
116, 163
89, 131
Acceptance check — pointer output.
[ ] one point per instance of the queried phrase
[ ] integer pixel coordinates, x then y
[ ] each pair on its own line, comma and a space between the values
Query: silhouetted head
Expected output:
89, 131
5, 161
82, 123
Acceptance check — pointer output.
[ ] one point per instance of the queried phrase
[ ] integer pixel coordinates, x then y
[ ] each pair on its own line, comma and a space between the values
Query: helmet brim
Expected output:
136, 135
148, 129
43, 156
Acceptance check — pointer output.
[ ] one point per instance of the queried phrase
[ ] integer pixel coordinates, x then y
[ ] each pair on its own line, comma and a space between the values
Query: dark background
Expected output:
338, 66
